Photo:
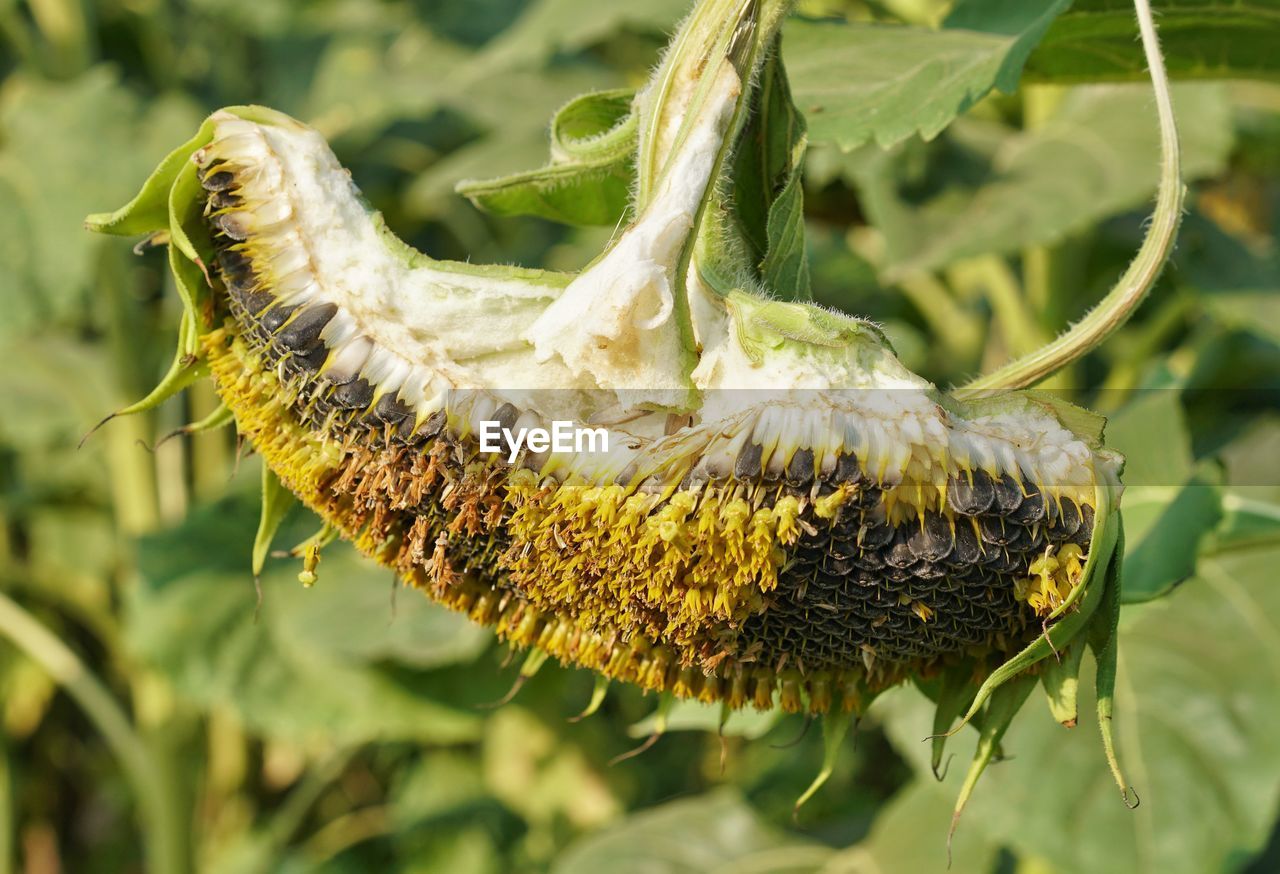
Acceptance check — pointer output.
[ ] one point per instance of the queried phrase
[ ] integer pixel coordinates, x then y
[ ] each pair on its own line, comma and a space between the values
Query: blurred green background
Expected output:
345, 728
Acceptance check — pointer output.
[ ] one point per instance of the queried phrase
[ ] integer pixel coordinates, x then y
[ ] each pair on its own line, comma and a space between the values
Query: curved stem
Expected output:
1121, 302
354, 827
160, 833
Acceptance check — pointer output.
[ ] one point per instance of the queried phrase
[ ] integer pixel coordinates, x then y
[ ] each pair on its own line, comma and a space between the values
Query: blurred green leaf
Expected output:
465, 850
551, 26
908, 836
61, 388
437, 785
691, 715
1198, 700
305, 666
1248, 520
530, 769
1097, 156
1151, 431
857, 83
712, 832
362, 620
1165, 529
1170, 505
1239, 282
1251, 504
365, 81
1097, 39
69, 149
513, 111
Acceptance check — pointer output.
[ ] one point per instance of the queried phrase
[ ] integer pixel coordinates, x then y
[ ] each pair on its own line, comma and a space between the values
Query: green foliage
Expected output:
859, 83
310, 661
343, 727
716, 831
1093, 40
593, 141
1008, 188
1199, 689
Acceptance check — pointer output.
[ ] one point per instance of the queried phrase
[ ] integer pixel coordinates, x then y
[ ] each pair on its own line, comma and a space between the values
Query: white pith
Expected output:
421, 330
616, 323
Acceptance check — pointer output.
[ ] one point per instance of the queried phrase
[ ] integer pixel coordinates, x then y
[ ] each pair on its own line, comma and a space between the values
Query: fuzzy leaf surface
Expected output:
859, 83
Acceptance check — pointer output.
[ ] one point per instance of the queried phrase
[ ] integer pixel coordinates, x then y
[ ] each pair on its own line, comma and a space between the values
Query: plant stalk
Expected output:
1124, 299
160, 830
7, 821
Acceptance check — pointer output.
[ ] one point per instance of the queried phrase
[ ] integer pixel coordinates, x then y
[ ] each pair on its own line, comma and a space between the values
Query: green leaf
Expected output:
1104, 642
68, 149
381, 625
1167, 527
691, 715
716, 831
149, 209
1239, 283
835, 727
307, 664
512, 111
858, 83
588, 182
1151, 432
1061, 681
768, 191
277, 501
990, 190
908, 836
550, 26
1198, 698
437, 785
1097, 39
1248, 520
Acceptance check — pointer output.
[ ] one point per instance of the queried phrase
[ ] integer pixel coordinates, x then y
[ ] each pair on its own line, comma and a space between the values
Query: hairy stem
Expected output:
1121, 302
160, 830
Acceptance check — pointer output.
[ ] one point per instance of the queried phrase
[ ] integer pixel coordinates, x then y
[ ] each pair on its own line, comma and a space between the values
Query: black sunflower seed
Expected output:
220, 181
931, 541
1066, 522
875, 536
992, 530
355, 395
847, 469
800, 468
899, 555
391, 410
971, 497
274, 318
1008, 494
748, 464
967, 550
1033, 509
303, 331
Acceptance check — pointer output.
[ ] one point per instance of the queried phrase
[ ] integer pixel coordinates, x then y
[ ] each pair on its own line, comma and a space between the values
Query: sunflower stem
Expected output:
160, 829
1123, 300
7, 823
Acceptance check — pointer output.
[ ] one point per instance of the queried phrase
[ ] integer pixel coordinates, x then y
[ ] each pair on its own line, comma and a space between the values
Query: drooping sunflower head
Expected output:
761, 505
